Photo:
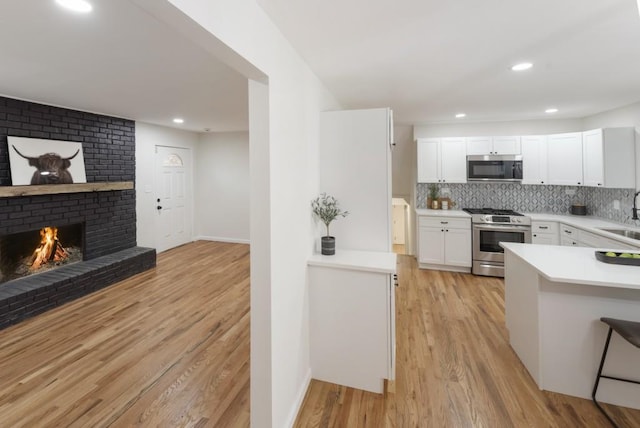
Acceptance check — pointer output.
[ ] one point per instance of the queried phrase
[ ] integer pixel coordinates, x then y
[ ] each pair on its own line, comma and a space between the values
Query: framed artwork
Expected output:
36, 161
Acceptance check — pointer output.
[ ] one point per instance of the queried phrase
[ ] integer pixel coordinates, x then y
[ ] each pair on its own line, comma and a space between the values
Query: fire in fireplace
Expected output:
26, 253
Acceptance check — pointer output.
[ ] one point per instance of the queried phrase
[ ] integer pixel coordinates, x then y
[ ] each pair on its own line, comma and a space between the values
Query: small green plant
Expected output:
326, 208
434, 192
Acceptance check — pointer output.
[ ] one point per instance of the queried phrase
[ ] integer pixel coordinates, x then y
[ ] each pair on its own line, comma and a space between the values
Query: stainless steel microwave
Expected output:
494, 168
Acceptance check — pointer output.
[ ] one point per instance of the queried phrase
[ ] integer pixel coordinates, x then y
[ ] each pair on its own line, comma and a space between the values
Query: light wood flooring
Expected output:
170, 348
166, 348
454, 367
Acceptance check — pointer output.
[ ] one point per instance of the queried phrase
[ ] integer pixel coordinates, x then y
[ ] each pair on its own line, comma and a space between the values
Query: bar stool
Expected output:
628, 330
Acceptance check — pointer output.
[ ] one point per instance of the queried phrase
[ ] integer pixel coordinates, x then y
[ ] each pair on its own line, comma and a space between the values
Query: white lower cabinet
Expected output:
444, 243
352, 326
544, 232
569, 236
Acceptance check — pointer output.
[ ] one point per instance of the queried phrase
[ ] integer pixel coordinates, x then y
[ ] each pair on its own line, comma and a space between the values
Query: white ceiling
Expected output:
430, 59
117, 60
426, 59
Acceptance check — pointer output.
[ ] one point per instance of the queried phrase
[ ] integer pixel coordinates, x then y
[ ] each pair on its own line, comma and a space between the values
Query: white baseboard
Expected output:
219, 239
298, 404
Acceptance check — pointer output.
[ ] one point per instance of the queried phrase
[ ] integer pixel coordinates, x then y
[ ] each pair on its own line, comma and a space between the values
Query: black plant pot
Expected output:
328, 245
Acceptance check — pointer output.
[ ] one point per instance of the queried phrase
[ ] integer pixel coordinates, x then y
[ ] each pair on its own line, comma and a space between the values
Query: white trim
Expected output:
220, 239
300, 398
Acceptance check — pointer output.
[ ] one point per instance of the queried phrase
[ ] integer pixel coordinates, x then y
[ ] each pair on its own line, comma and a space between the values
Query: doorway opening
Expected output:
400, 225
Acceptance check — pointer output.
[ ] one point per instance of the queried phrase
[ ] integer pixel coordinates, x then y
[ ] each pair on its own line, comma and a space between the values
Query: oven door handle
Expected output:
501, 228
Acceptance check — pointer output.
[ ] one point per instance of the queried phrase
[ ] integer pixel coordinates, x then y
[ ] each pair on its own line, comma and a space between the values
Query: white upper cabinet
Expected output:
429, 160
442, 160
596, 158
506, 145
479, 145
564, 159
454, 160
609, 158
493, 145
592, 158
534, 159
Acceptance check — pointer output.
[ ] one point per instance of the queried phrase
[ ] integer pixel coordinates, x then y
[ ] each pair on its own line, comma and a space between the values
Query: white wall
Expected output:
147, 138
620, 117
222, 187
284, 179
475, 129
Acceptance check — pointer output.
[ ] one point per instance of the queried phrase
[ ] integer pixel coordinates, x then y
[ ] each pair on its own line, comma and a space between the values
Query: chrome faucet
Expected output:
635, 208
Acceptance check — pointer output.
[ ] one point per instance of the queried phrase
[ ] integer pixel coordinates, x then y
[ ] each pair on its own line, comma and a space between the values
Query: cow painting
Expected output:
51, 168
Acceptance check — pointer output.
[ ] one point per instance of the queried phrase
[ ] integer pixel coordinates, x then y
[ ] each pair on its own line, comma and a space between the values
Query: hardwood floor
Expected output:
455, 367
169, 348
399, 249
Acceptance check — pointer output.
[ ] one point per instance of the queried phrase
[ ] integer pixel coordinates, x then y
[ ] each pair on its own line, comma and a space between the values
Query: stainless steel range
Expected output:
489, 228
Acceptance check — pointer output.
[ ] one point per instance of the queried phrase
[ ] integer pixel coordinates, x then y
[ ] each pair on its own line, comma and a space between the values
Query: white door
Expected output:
398, 224
173, 187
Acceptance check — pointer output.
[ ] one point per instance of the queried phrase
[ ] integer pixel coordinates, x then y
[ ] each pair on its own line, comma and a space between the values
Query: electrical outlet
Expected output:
570, 192
616, 204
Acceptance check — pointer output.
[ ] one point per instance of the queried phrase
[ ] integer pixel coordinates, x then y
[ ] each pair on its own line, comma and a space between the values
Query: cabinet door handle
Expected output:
444, 222
568, 232
535, 236
446, 230
441, 230
543, 227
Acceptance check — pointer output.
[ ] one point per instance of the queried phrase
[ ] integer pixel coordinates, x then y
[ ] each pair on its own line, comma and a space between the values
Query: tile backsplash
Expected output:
532, 198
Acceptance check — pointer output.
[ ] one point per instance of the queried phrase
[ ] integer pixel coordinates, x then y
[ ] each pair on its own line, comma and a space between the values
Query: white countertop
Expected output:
575, 265
443, 213
370, 261
590, 224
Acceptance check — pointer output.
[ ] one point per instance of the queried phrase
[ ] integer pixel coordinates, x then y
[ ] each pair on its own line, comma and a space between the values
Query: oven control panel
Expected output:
503, 219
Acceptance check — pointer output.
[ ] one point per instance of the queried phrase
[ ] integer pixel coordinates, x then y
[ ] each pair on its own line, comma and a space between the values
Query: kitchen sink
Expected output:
633, 234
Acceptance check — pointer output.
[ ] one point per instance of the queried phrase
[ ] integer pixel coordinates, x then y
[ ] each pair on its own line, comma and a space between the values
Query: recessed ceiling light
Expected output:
81, 6
522, 66
460, 115
551, 110
178, 120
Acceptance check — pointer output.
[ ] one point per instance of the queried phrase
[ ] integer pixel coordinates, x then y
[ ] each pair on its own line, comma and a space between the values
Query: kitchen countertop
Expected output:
588, 223
370, 261
443, 213
576, 265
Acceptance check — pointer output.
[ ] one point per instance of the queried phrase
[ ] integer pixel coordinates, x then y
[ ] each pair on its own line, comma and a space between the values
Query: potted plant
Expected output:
434, 194
326, 208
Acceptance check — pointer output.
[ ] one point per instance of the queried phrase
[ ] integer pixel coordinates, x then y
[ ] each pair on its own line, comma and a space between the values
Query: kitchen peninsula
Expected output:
554, 299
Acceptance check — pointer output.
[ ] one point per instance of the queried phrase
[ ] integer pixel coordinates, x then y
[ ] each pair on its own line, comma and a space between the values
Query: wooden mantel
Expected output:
48, 189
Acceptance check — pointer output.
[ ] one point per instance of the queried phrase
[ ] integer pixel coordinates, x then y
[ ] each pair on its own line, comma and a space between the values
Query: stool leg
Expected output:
595, 386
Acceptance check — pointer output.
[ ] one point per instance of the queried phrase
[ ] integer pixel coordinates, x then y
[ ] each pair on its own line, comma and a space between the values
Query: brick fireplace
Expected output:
107, 219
